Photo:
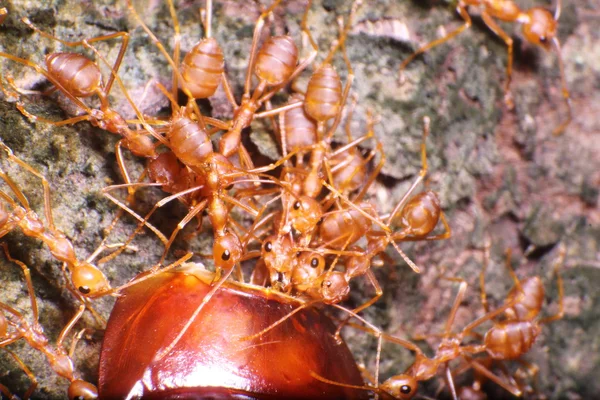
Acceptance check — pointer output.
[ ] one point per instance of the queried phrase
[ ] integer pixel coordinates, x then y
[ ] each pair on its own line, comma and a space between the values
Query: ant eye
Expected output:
268, 246
85, 289
543, 39
298, 254
327, 283
314, 262
297, 205
405, 389
226, 255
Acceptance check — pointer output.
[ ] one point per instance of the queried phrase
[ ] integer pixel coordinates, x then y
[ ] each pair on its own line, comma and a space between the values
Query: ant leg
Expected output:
561, 290
164, 52
74, 319
494, 378
258, 28
29, 374
318, 377
350, 77
487, 19
3, 389
510, 269
76, 339
374, 173
279, 321
45, 185
198, 208
35, 118
461, 9
27, 274
450, 381
486, 263
3, 14
278, 110
563, 80
177, 49
422, 173
191, 320
302, 64
369, 303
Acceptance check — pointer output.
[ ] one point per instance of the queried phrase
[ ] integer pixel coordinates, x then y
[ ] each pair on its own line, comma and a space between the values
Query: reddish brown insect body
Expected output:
202, 68
211, 359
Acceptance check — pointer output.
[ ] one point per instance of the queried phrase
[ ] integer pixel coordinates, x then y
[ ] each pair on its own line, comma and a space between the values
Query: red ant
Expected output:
275, 64
14, 326
404, 386
78, 77
539, 28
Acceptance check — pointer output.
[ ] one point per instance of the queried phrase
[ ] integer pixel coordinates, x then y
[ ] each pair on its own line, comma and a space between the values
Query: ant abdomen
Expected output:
202, 68
511, 339
276, 60
324, 94
189, 141
343, 227
300, 129
530, 297
76, 73
421, 214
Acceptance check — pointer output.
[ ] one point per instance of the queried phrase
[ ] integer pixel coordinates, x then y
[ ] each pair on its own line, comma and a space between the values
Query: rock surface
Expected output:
500, 174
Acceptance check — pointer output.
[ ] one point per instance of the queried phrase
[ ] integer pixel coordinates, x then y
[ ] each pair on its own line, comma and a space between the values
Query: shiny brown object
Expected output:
211, 359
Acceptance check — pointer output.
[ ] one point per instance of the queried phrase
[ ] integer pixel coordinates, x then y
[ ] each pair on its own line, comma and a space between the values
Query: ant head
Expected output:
308, 268
89, 280
334, 287
540, 27
227, 250
421, 214
277, 252
305, 213
401, 387
81, 390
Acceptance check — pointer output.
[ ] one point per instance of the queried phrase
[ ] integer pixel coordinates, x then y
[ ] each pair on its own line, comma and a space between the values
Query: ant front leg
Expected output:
462, 10
27, 371
494, 27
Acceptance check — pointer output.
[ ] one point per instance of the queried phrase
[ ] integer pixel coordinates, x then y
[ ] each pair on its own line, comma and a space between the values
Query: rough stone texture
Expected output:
499, 173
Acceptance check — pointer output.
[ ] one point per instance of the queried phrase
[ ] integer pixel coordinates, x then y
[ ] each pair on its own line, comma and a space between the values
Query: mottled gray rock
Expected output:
498, 173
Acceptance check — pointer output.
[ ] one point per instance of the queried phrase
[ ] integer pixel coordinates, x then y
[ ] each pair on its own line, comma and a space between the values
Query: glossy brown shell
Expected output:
210, 360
